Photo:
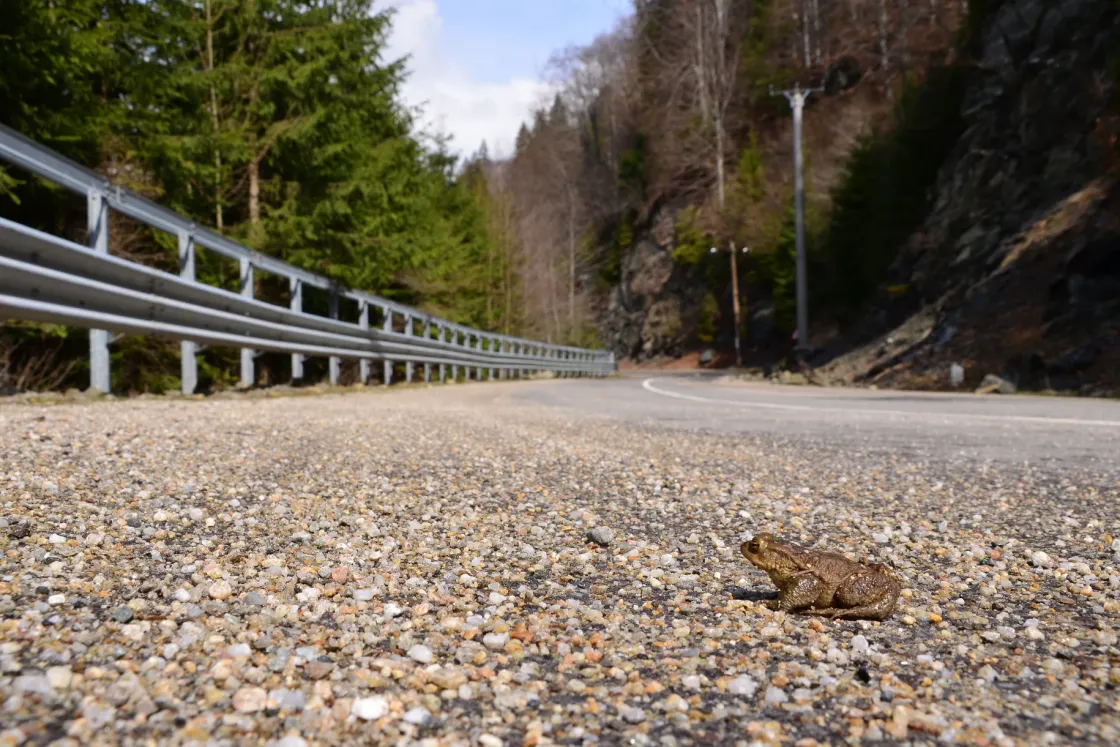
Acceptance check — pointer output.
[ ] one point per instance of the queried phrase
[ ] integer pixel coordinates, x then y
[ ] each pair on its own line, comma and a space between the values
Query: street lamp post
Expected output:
735, 296
796, 99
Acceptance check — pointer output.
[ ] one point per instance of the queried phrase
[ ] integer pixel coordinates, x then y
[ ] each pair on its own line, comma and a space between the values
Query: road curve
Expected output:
1052, 431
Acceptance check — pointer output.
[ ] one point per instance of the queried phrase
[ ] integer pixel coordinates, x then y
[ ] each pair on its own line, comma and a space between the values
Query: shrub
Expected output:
690, 243
882, 196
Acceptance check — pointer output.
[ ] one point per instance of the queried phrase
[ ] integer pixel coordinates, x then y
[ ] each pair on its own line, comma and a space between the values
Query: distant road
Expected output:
1022, 429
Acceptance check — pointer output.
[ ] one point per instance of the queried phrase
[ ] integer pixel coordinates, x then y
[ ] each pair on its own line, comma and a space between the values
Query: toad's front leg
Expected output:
801, 590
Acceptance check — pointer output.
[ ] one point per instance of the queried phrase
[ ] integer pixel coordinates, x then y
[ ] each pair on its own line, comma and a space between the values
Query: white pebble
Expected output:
775, 695
239, 649
420, 653
418, 716
59, 677
250, 699
220, 590
742, 685
370, 709
632, 715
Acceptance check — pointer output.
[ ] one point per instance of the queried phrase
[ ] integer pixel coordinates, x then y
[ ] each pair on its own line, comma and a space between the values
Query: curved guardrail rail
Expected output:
46, 278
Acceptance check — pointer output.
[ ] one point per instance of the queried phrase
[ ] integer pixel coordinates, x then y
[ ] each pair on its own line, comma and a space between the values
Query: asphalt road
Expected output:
1045, 432
555, 563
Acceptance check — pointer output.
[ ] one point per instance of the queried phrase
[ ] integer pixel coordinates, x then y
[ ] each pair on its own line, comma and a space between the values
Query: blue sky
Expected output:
478, 65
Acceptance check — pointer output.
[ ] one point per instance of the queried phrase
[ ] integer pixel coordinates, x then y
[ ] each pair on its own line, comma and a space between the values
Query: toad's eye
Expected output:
753, 546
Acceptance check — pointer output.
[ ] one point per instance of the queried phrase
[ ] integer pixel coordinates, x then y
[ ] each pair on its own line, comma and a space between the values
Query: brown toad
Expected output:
823, 583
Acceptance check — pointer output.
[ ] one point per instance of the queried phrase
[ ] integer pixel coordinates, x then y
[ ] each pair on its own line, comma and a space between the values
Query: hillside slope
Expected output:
1016, 269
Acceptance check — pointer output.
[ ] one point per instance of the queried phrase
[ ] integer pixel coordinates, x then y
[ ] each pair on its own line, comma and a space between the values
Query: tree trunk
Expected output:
701, 72
508, 289
805, 35
571, 262
214, 123
817, 30
884, 50
254, 195
721, 192
903, 31
555, 332
490, 284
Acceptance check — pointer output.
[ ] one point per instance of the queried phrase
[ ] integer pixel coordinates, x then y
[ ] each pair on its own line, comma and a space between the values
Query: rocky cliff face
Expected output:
656, 303
1016, 270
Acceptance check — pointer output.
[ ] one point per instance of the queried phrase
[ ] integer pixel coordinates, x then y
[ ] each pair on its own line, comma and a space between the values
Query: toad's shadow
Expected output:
744, 594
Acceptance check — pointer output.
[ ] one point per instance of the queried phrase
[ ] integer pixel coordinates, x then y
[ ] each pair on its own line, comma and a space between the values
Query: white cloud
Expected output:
469, 110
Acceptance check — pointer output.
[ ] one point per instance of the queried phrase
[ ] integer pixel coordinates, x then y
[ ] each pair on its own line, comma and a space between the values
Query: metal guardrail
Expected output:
46, 278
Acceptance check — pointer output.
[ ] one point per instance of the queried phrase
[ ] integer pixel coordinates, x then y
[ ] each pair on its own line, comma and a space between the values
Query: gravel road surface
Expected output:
554, 563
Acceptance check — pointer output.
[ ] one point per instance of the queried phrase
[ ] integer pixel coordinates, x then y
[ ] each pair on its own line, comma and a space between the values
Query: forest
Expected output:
281, 124
277, 122
672, 128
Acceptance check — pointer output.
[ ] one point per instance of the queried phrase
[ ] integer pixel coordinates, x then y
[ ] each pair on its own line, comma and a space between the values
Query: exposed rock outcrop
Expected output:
1016, 269
656, 303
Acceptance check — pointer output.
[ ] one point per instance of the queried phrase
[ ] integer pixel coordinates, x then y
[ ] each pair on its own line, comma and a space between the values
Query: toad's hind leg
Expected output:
800, 591
871, 594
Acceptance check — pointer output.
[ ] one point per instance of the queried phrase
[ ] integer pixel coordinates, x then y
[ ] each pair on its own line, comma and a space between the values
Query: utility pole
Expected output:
735, 296
796, 99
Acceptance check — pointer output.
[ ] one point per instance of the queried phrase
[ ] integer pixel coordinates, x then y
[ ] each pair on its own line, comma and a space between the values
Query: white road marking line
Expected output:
649, 387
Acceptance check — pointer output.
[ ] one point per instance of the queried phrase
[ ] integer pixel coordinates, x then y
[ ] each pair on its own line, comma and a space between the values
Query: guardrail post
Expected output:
427, 337
97, 221
363, 322
188, 363
408, 367
503, 349
387, 326
478, 369
442, 366
467, 346
493, 350
296, 286
334, 364
455, 367
248, 375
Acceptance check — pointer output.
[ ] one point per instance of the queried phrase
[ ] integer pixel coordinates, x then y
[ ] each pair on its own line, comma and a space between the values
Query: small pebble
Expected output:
370, 709
250, 699
602, 536
420, 653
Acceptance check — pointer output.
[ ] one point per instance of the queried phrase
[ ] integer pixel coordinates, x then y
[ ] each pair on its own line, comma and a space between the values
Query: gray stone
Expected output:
632, 715
602, 536
993, 384
956, 374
